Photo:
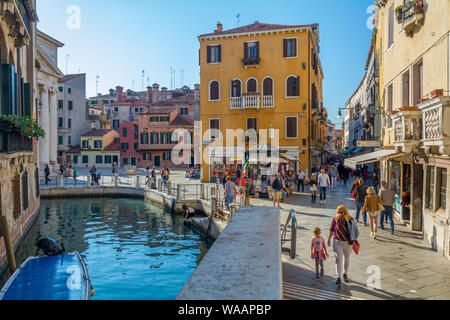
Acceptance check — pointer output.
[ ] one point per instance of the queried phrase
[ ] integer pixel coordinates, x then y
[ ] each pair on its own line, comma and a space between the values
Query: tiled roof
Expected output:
153, 110
70, 77
184, 99
96, 133
256, 27
182, 121
115, 146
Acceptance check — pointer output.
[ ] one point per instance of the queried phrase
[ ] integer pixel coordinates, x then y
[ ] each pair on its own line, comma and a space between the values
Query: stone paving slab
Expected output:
409, 268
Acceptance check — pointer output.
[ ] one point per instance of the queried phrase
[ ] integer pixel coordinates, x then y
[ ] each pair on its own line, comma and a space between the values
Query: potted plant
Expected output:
419, 6
26, 126
437, 93
399, 13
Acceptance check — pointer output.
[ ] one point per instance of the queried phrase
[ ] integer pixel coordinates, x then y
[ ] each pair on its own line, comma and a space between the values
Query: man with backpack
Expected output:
277, 187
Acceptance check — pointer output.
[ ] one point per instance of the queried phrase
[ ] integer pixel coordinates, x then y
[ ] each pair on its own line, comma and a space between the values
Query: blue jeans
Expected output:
323, 193
387, 213
229, 199
359, 206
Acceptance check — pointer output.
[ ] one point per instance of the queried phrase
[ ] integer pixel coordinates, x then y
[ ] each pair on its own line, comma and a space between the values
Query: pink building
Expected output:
129, 144
157, 138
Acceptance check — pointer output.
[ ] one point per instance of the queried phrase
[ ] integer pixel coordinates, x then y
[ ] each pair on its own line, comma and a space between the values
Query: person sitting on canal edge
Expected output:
189, 213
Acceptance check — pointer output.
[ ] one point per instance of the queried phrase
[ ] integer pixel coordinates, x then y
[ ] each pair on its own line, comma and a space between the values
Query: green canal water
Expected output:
134, 250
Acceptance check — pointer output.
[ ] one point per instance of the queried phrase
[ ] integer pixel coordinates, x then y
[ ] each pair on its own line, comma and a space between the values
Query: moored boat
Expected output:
59, 277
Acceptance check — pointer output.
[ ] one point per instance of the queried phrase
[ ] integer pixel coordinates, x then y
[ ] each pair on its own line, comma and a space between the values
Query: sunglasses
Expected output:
340, 211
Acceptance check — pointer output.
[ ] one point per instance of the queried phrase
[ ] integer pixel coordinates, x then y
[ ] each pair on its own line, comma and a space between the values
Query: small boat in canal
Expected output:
58, 277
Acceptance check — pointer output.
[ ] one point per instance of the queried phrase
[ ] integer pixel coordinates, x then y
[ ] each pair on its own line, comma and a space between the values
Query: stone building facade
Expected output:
48, 74
19, 172
71, 120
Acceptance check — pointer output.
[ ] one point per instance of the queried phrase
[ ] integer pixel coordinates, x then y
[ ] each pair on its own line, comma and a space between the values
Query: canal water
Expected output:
134, 250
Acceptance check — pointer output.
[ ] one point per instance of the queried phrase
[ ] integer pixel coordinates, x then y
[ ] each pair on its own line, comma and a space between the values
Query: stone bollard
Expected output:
233, 209
159, 185
179, 192
169, 188
61, 182
138, 181
202, 191
116, 180
89, 181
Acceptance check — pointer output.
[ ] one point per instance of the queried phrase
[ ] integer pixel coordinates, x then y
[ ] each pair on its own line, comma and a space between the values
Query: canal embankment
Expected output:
244, 263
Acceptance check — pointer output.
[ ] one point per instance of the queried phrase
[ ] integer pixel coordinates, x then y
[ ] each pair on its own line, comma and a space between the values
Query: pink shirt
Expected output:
318, 243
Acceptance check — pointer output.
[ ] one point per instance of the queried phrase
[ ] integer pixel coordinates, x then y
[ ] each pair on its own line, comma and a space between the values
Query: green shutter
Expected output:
15, 86
7, 99
27, 99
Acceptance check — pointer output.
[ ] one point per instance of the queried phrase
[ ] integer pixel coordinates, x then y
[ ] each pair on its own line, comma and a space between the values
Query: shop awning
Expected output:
368, 158
358, 150
347, 151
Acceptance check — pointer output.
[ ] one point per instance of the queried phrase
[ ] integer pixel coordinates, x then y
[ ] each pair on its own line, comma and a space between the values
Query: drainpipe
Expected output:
8, 244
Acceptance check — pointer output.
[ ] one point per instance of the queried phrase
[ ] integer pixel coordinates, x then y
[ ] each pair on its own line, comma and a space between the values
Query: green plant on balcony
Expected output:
399, 13
26, 126
251, 61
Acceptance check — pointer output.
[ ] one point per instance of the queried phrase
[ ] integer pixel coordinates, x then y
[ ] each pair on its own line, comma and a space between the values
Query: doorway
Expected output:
157, 161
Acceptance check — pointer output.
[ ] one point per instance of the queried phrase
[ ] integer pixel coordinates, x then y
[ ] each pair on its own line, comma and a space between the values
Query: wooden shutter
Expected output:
268, 87
257, 49
285, 44
297, 91
391, 26
219, 53
245, 50
27, 99
294, 47
208, 53
289, 87
251, 86
7, 99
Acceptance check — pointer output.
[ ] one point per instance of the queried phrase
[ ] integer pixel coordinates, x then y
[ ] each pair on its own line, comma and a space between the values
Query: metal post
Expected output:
61, 182
169, 188
179, 192
8, 244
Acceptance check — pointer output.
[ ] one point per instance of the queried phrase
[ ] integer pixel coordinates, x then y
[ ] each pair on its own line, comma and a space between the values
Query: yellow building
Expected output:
413, 47
262, 77
99, 147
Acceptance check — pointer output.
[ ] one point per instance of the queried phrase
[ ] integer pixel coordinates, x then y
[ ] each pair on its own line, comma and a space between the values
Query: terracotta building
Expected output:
129, 144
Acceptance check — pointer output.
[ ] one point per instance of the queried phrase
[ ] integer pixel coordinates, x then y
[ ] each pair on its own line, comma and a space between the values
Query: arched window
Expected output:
268, 87
214, 90
293, 86
236, 88
252, 86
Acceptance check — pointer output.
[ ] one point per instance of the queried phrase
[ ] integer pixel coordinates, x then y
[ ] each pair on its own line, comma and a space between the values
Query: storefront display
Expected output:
394, 183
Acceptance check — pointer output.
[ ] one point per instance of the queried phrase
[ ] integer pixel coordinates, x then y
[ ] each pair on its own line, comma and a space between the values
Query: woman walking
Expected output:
230, 192
313, 187
373, 206
340, 230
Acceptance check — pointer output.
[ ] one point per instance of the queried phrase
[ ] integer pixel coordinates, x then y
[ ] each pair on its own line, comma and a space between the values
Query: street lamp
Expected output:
375, 110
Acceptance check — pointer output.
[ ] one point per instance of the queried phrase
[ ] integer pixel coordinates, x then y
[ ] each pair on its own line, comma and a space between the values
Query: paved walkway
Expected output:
405, 266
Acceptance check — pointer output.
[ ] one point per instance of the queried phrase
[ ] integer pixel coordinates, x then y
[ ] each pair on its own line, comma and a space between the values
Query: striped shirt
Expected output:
340, 230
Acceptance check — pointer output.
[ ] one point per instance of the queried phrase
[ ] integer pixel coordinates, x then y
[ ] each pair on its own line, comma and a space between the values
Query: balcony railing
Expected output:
407, 129
413, 16
251, 101
267, 102
12, 142
251, 61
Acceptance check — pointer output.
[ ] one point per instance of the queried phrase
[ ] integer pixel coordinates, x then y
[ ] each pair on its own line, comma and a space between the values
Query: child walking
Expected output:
318, 252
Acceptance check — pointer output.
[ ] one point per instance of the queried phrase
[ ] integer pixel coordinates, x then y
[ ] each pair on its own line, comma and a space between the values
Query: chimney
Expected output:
149, 95
219, 28
119, 91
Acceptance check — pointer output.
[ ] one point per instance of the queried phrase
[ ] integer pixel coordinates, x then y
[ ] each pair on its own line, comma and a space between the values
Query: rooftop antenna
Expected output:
96, 84
238, 19
182, 78
67, 63
148, 81
143, 77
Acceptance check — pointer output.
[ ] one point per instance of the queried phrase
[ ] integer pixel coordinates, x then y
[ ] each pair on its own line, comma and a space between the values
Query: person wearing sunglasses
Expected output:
341, 229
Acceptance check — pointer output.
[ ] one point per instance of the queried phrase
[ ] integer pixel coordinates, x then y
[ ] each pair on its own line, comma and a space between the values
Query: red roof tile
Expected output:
256, 27
182, 121
115, 146
96, 133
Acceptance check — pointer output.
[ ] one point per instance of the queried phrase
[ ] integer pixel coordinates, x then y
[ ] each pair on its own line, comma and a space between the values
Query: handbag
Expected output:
356, 247
354, 195
381, 207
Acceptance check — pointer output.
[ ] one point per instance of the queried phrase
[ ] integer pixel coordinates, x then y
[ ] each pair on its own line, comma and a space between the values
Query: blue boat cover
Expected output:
61, 277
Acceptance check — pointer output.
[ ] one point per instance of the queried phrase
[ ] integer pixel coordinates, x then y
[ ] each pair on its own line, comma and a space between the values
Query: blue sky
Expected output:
118, 39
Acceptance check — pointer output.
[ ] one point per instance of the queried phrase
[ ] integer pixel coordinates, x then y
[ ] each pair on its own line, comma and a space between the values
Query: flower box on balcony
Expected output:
399, 13
413, 16
437, 93
251, 61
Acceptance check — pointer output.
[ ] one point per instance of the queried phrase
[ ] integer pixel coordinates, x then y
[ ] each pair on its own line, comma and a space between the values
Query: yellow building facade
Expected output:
262, 77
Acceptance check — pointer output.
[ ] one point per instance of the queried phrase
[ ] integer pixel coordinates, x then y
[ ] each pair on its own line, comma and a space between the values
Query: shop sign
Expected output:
369, 144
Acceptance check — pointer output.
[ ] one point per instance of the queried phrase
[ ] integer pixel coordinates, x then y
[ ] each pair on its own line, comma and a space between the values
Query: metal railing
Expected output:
293, 240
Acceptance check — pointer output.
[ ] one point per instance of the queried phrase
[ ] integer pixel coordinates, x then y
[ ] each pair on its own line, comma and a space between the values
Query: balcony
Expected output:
407, 129
251, 101
12, 142
251, 62
413, 16
436, 125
